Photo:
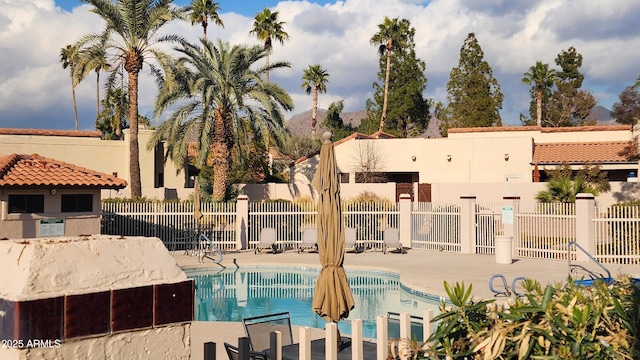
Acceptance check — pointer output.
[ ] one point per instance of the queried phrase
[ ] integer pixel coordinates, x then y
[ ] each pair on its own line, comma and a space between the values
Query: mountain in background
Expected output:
300, 124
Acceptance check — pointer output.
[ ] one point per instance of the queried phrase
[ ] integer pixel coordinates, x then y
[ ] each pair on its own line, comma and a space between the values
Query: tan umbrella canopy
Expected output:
332, 298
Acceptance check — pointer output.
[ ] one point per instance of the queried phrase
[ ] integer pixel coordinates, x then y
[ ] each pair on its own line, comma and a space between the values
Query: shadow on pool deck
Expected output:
421, 270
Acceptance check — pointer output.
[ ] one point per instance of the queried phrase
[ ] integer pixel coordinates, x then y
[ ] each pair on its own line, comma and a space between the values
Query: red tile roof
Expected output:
542, 129
45, 132
32, 171
585, 152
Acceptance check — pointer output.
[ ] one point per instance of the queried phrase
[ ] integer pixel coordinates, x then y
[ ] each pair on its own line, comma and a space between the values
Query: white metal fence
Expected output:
617, 234
435, 226
541, 231
488, 219
172, 222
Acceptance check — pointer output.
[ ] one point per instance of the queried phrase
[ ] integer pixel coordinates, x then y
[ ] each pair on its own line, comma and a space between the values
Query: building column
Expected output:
242, 222
585, 228
404, 221
468, 224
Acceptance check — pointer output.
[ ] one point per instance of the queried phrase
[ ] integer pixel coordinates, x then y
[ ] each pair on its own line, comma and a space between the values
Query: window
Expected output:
26, 204
344, 178
77, 203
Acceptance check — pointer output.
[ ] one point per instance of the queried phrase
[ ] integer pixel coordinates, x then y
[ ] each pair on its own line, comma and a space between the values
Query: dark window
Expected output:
344, 178
77, 203
26, 204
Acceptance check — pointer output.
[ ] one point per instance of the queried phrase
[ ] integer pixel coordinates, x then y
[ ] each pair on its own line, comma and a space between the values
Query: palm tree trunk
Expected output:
97, 93
204, 29
75, 106
134, 149
539, 106
314, 112
266, 75
386, 91
221, 155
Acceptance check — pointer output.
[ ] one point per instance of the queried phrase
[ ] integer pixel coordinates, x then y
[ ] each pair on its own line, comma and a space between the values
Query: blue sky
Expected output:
243, 7
35, 92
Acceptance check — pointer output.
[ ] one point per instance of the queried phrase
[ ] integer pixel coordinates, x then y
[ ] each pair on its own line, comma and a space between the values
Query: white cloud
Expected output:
34, 89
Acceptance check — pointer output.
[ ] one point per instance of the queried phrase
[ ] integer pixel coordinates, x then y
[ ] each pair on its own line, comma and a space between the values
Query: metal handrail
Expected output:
588, 255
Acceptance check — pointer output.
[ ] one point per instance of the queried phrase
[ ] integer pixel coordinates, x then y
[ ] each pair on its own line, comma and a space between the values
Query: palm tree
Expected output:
217, 95
113, 116
131, 33
267, 27
541, 78
315, 79
95, 59
563, 190
68, 58
392, 34
201, 11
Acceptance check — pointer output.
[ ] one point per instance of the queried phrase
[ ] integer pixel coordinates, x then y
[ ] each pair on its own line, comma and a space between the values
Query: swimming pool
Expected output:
231, 295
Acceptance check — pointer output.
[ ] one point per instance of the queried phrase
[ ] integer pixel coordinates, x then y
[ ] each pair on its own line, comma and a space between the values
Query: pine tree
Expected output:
407, 112
569, 106
474, 94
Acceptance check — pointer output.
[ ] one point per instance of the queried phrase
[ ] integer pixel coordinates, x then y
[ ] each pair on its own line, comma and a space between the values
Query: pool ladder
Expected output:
507, 291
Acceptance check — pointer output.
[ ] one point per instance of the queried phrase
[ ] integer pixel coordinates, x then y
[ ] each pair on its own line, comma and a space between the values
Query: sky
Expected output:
35, 92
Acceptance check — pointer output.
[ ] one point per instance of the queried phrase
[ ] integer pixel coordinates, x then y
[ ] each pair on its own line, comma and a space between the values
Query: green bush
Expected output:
561, 321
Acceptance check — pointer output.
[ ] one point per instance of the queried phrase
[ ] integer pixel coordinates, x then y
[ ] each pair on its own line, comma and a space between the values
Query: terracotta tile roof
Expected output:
542, 129
585, 152
45, 132
30, 171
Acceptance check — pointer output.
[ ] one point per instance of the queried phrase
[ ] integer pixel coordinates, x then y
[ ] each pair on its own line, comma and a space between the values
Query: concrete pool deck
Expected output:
420, 270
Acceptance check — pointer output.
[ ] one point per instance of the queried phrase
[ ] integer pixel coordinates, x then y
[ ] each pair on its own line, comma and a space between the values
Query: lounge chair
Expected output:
350, 240
259, 328
267, 240
391, 240
233, 353
309, 240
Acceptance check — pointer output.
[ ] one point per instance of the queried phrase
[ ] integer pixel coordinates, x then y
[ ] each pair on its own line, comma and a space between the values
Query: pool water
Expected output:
231, 295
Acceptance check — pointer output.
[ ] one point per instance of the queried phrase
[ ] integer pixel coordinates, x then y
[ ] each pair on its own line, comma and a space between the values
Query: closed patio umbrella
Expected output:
332, 298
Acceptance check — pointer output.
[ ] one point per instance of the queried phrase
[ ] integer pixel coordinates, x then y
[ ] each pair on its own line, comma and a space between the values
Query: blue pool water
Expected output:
231, 295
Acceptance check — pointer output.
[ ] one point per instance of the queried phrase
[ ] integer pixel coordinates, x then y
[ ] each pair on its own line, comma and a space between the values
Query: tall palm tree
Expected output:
218, 94
113, 116
392, 34
200, 11
132, 33
541, 78
266, 27
93, 58
315, 79
68, 58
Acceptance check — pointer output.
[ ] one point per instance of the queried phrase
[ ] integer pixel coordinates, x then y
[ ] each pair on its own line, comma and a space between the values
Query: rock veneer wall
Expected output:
93, 297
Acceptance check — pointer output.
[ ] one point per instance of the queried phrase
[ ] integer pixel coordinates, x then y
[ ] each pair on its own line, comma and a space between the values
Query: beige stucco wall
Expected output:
18, 226
473, 160
106, 156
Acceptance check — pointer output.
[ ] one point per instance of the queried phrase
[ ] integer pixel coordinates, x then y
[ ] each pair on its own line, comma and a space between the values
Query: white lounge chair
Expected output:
391, 240
309, 239
350, 240
267, 240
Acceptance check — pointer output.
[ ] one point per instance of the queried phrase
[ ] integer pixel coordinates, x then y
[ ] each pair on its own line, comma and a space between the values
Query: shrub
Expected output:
561, 321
